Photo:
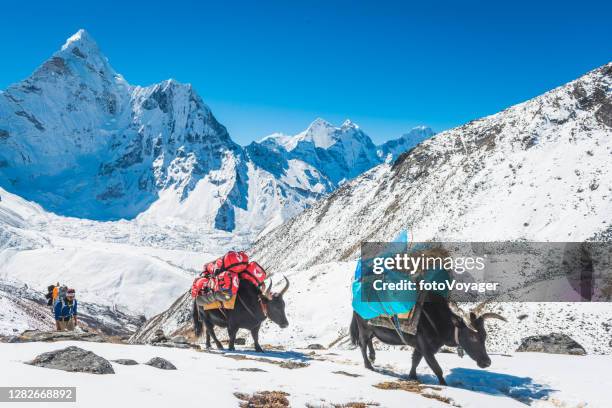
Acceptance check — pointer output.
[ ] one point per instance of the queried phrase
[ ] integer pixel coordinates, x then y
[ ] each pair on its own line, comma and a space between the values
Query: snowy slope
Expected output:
112, 264
327, 379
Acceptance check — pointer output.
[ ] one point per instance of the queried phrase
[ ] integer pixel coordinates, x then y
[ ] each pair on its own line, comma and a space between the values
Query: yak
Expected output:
252, 307
442, 323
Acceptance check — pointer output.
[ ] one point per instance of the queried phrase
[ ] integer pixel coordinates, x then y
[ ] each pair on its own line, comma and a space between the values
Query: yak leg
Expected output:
430, 358
232, 331
416, 359
210, 332
363, 344
255, 334
372, 352
435, 367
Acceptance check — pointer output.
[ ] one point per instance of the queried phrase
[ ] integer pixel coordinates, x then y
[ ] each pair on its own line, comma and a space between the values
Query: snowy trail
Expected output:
328, 377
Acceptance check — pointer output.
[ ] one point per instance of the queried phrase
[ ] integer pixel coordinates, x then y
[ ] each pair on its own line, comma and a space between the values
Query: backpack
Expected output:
55, 294
70, 306
61, 293
49, 295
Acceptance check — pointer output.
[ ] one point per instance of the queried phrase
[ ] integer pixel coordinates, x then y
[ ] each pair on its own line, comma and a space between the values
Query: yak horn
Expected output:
267, 292
457, 311
492, 315
479, 309
282, 292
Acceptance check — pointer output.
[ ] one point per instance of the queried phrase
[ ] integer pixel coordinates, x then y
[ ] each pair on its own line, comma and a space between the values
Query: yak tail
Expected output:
354, 330
197, 323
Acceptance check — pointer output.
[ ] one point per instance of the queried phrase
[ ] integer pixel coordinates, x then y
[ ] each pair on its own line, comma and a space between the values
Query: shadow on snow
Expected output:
284, 355
522, 389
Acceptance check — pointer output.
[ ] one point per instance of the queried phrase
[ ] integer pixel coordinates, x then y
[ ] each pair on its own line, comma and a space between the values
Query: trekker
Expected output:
49, 295
66, 312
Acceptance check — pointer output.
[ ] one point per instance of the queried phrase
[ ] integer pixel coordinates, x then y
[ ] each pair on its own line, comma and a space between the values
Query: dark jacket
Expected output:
64, 309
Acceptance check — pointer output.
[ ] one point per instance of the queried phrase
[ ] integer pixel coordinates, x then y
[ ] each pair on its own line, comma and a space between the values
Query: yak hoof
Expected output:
413, 377
372, 357
443, 382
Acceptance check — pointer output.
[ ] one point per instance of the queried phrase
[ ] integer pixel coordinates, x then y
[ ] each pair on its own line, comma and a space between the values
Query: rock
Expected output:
180, 340
315, 346
554, 343
73, 359
251, 370
162, 363
174, 345
125, 361
290, 364
159, 337
51, 336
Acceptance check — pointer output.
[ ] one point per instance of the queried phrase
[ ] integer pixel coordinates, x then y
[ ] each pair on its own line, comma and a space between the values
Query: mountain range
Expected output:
81, 141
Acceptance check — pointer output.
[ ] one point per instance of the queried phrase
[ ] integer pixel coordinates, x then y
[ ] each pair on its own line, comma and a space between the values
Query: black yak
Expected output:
252, 307
442, 323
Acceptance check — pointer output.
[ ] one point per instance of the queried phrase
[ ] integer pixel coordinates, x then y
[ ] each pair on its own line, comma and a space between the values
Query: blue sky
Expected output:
266, 66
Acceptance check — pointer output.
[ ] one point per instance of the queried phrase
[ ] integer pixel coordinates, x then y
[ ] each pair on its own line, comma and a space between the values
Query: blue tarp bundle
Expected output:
371, 309
394, 302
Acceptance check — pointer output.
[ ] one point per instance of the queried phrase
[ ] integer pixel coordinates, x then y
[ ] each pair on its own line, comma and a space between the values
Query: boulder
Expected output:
161, 363
73, 359
125, 361
554, 343
316, 346
52, 336
159, 337
180, 340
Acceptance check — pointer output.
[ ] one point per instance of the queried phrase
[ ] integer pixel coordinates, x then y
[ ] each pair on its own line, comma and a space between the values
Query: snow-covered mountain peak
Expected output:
348, 124
320, 133
80, 39
391, 149
320, 123
81, 56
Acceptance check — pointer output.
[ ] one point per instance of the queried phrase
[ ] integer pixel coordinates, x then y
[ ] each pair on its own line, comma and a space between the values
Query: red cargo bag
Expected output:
235, 261
254, 273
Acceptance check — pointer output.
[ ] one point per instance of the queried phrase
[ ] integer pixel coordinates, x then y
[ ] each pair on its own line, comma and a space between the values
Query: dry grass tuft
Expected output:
413, 386
263, 399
